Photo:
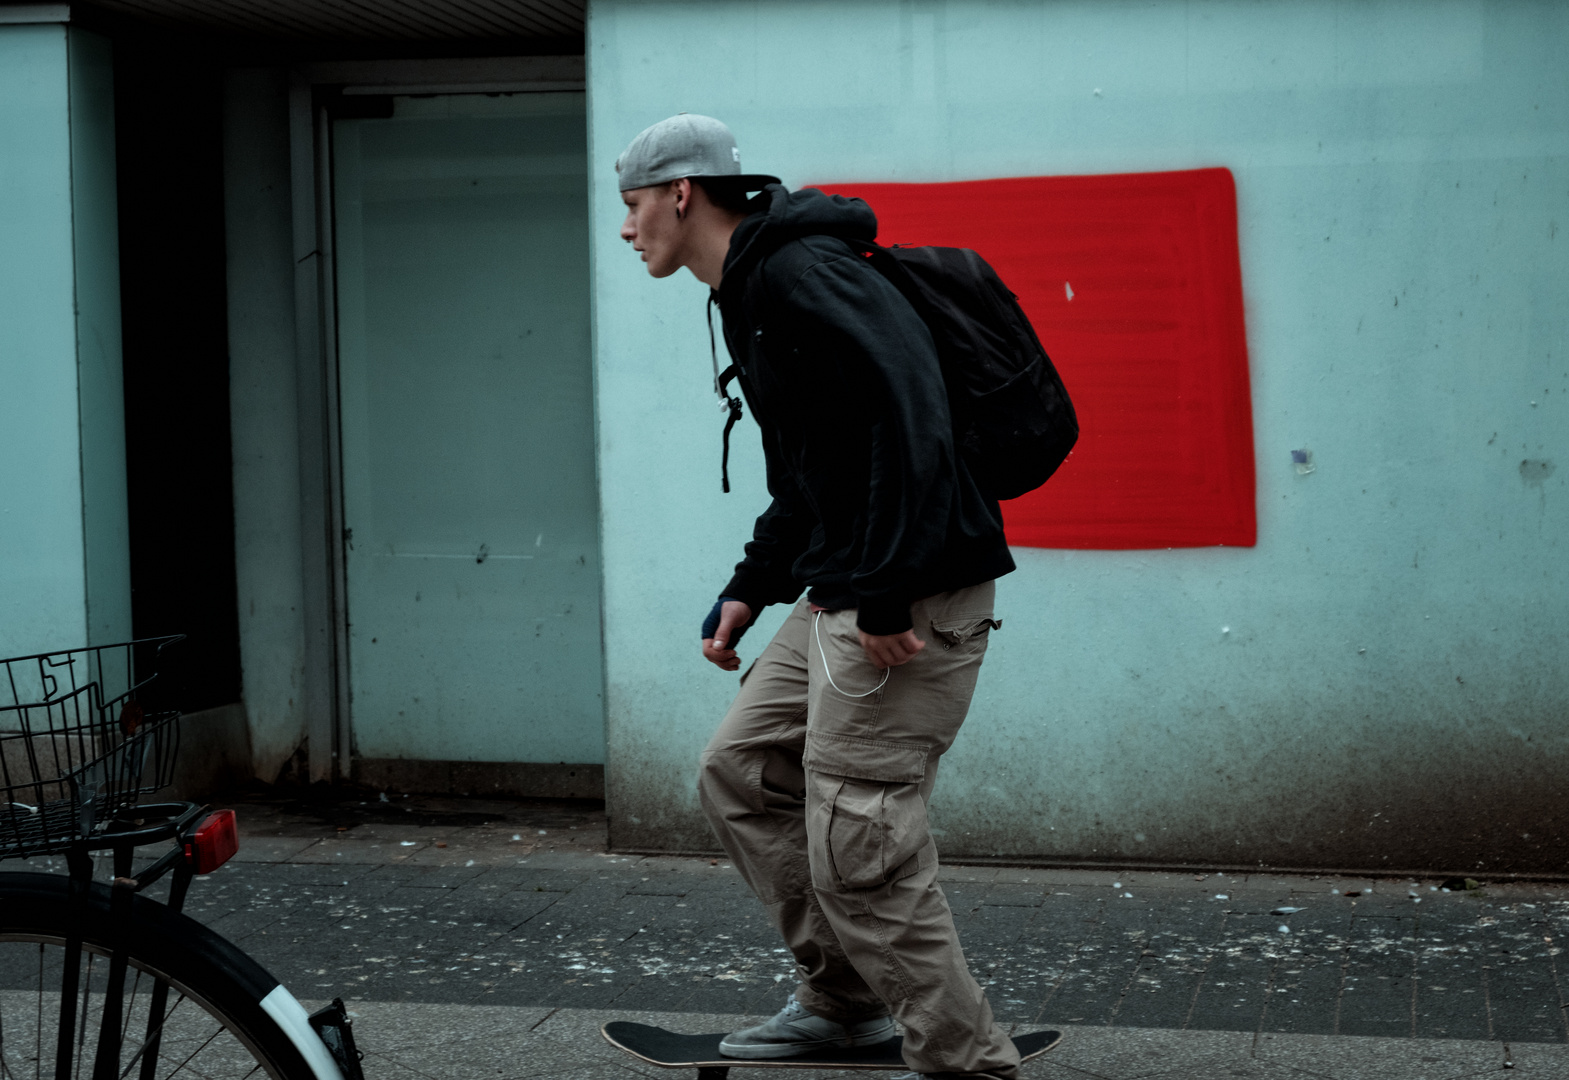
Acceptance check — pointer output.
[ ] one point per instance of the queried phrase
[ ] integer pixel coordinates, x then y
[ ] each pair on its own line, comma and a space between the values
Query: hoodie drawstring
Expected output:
721, 385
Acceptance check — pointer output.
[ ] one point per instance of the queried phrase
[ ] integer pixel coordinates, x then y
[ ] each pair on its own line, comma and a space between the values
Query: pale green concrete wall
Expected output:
100, 374
264, 412
64, 565
1391, 691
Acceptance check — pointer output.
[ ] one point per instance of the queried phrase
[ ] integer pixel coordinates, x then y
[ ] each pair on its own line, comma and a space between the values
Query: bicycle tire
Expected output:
165, 945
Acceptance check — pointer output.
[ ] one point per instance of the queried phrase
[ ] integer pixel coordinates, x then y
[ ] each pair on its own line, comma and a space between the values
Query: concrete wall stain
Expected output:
1535, 473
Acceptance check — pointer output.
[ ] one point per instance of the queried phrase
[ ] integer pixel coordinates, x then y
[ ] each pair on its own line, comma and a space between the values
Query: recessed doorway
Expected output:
471, 548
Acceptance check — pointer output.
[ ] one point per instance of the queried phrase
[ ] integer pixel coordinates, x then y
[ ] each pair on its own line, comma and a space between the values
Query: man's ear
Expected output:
683, 192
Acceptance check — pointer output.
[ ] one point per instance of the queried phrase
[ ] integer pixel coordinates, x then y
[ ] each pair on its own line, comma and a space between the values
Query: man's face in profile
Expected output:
652, 227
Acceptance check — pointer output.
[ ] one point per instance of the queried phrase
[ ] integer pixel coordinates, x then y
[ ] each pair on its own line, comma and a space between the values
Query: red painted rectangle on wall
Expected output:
1134, 285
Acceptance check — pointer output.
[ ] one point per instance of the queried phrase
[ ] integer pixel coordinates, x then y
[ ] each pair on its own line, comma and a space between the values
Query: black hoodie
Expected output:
872, 508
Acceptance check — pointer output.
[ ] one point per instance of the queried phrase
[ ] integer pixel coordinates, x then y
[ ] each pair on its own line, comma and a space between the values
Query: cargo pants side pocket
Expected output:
964, 630
866, 819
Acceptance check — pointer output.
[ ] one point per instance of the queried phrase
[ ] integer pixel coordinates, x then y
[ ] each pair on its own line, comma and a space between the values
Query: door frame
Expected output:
319, 92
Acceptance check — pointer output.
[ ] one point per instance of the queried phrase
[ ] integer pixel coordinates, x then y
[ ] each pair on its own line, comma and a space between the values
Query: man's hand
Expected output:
733, 614
890, 650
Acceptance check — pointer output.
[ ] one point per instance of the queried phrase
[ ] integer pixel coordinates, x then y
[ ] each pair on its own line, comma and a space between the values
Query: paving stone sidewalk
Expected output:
442, 921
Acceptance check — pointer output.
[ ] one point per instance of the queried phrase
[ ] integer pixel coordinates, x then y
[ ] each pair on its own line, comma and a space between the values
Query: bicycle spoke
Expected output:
154, 1033
130, 1006
198, 1050
5, 1069
87, 992
38, 1050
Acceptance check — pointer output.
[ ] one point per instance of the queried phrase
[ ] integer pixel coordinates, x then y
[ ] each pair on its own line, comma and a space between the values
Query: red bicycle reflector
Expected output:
213, 843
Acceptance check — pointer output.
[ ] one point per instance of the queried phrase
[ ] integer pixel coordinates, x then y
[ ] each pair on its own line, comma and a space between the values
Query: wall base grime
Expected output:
1233, 869
508, 779
1443, 808
215, 753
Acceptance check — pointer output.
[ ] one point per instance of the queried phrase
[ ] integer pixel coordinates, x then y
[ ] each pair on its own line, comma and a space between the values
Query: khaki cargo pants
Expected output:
820, 799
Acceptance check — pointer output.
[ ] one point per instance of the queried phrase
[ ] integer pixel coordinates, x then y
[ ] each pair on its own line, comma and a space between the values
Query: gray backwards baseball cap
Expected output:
685, 145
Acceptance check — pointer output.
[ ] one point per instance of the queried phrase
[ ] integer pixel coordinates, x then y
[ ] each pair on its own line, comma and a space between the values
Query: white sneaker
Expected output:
795, 1030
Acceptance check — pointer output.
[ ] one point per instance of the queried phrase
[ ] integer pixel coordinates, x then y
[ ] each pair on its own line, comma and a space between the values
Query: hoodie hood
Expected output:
792, 214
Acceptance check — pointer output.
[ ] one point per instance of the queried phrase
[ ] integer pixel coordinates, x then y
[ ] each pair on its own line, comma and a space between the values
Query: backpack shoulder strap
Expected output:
890, 266
727, 400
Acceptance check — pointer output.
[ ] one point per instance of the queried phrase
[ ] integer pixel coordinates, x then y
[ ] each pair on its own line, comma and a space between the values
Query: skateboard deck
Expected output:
669, 1050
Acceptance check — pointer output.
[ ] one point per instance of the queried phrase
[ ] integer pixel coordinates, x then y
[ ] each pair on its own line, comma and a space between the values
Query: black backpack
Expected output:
1012, 420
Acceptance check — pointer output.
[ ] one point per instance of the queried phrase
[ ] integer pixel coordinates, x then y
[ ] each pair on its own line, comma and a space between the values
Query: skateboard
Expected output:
701, 1052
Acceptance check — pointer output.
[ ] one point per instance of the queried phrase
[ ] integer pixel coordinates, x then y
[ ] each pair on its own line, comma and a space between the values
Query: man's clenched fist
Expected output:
734, 618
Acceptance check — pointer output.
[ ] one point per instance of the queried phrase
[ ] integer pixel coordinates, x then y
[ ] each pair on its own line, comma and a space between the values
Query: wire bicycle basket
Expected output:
81, 739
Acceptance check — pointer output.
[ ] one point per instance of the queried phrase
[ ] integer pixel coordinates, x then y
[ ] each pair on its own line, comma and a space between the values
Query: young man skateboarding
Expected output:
818, 778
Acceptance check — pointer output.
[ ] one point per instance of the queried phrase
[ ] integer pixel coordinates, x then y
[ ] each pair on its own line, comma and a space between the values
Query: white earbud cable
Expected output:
817, 632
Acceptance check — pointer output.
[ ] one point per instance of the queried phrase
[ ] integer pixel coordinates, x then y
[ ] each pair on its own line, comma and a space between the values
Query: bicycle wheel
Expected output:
222, 1013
